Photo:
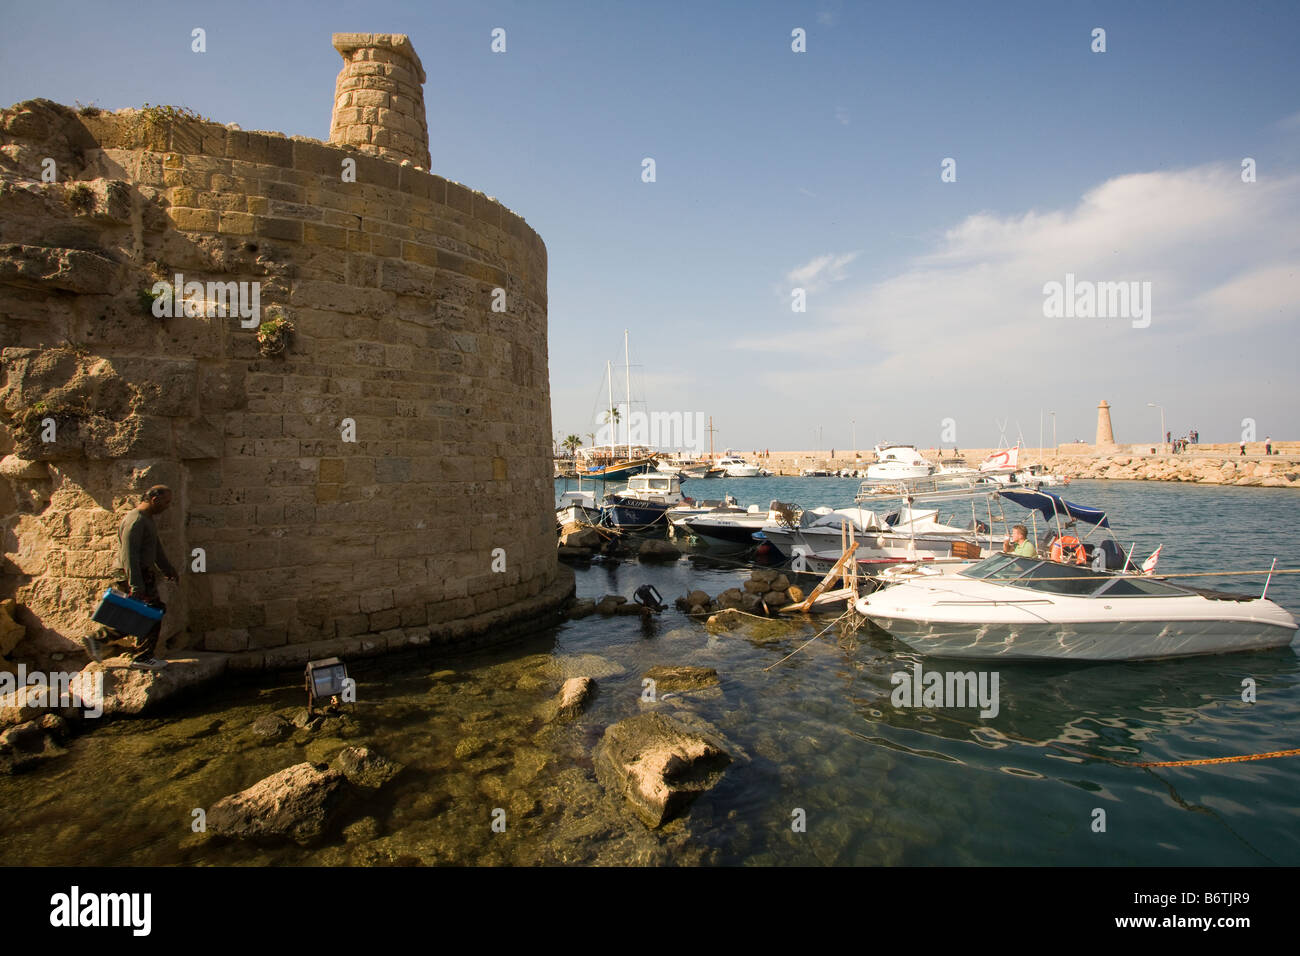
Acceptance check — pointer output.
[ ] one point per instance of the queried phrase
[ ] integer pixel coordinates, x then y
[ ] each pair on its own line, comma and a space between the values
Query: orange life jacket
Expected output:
1061, 550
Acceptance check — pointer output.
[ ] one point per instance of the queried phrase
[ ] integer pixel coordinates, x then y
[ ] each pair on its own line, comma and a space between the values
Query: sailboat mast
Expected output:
613, 435
628, 369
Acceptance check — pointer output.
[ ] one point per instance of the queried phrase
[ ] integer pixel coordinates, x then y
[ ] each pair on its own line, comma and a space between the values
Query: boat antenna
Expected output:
627, 366
1268, 579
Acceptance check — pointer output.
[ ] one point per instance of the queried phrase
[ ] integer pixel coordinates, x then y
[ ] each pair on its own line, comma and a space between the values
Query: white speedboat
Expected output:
898, 461
738, 467
1016, 608
692, 507
734, 526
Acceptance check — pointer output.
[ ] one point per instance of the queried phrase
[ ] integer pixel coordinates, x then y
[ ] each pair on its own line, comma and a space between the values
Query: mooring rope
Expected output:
809, 641
1115, 761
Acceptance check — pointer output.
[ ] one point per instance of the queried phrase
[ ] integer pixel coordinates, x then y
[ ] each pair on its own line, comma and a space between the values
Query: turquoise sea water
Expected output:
816, 733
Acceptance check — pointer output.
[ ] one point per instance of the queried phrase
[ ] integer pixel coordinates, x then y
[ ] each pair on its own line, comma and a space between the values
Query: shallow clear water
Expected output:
878, 785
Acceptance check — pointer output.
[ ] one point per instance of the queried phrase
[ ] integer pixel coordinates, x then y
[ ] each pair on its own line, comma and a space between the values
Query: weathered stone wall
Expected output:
379, 98
314, 544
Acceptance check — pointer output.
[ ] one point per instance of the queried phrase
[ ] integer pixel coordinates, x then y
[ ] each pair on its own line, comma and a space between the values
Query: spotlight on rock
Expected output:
326, 681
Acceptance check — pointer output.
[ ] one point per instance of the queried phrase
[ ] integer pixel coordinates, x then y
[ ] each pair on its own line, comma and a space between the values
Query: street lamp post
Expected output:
1056, 448
1161, 443
853, 423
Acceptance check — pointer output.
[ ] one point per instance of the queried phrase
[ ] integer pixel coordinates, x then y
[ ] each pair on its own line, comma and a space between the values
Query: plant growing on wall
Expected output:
81, 198
273, 334
152, 120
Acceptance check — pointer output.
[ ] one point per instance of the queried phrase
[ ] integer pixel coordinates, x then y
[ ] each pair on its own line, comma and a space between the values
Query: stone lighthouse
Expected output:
1105, 435
379, 98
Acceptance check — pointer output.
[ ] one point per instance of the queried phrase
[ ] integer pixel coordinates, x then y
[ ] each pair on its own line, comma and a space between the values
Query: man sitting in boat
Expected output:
1019, 543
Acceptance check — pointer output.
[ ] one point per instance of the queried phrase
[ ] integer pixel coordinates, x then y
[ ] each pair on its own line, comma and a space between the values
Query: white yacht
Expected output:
1016, 608
898, 461
738, 467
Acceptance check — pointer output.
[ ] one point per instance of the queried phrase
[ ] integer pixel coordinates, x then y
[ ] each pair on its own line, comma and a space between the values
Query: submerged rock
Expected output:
364, 768
272, 726
362, 831
471, 747
581, 608
652, 549
681, 678
610, 604
574, 696
726, 620
298, 803
590, 665
24, 745
658, 764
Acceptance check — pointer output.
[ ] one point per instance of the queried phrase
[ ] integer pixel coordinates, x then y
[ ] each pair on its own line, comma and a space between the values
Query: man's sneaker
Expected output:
92, 647
148, 664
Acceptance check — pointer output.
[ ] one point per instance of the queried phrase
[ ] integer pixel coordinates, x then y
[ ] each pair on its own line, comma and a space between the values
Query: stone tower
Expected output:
1105, 436
379, 98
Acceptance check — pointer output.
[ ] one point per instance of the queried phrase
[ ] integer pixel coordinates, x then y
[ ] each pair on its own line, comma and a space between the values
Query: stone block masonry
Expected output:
379, 98
314, 544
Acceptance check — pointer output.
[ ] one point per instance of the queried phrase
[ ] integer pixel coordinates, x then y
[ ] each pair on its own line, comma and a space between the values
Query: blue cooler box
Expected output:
127, 615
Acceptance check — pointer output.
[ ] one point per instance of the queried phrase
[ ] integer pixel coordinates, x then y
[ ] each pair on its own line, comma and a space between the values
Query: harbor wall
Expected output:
382, 482
1219, 464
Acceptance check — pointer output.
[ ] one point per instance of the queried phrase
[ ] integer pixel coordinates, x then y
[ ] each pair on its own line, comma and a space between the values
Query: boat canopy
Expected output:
1049, 505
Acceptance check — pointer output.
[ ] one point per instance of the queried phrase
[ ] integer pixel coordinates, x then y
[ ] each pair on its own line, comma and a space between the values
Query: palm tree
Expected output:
572, 442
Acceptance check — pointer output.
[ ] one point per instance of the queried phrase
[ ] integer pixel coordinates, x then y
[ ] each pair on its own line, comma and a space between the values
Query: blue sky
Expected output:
821, 169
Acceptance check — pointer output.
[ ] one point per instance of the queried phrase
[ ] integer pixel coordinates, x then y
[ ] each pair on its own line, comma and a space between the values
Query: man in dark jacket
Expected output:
140, 557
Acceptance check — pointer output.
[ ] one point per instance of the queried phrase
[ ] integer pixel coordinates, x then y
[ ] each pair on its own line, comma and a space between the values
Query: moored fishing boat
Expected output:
644, 503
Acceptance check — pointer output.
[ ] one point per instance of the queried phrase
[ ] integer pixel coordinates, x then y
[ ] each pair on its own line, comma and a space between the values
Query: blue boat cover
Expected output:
1049, 505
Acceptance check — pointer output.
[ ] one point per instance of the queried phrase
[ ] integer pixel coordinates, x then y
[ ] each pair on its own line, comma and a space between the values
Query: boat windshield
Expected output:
999, 567
1071, 579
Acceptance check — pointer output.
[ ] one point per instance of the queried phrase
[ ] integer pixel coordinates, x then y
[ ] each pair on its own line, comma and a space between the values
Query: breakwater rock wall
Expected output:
1200, 469
365, 467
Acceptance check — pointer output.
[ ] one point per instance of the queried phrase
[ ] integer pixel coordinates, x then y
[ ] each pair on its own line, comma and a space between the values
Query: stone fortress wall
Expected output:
350, 492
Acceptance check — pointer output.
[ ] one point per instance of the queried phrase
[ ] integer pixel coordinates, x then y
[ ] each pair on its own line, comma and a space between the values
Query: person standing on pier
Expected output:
1268, 445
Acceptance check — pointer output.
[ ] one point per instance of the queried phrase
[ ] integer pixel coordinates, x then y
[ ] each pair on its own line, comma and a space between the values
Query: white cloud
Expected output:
1222, 257
820, 272
842, 115
1289, 122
